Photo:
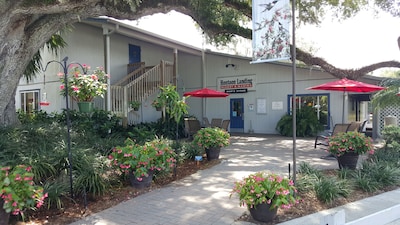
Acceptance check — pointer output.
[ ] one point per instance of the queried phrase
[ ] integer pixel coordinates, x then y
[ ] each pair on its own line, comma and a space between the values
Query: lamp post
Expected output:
65, 66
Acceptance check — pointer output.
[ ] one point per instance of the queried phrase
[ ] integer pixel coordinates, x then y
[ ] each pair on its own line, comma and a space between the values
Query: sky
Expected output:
356, 42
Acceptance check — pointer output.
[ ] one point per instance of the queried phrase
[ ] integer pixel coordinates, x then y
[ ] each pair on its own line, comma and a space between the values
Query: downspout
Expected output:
176, 68
107, 61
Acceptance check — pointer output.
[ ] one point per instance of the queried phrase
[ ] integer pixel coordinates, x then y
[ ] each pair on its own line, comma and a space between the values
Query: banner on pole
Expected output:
271, 36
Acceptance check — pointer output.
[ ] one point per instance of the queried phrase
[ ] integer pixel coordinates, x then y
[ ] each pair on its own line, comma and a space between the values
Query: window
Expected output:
320, 103
30, 101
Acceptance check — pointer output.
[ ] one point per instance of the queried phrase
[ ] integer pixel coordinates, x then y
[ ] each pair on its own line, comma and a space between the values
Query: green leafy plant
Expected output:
155, 155
84, 87
135, 105
351, 141
263, 187
328, 189
391, 134
18, 190
211, 137
307, 123
157, 104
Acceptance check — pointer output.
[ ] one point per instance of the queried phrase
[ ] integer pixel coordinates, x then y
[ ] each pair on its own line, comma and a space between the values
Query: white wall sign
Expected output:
277, 105
261, 105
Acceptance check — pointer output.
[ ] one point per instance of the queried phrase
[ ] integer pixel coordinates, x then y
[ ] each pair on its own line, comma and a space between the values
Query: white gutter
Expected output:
107, 61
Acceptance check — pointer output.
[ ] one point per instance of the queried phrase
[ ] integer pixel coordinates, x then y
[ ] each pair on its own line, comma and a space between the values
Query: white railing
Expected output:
140, 88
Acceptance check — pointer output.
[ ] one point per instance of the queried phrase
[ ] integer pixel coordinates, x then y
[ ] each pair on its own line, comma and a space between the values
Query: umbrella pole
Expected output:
344, 101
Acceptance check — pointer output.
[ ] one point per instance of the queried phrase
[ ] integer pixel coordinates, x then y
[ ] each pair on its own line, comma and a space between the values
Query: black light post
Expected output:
65, 66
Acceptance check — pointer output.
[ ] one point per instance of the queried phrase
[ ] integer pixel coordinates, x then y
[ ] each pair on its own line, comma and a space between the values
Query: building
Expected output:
260, 94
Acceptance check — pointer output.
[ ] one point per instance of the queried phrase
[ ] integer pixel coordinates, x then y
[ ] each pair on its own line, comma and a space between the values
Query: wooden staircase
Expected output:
140, 83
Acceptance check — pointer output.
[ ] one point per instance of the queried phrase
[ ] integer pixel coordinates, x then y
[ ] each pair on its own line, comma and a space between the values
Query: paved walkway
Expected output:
203, 198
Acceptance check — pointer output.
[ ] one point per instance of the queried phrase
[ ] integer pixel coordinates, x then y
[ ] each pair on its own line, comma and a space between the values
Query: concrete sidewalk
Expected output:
203, 198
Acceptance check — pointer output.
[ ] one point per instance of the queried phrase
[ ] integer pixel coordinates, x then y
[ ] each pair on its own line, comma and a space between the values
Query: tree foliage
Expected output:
26, 25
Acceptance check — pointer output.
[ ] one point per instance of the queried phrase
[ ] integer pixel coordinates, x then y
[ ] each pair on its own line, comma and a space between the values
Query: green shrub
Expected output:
330, 188
191, 150
306, 182
382, 173
307, 123
364, 182
57, 190
307, 169
391, 134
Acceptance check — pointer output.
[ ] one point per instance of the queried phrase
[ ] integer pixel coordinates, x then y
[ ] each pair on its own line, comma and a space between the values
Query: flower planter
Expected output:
158, 108
263, 213
348, 160
85, 107
4, 216
213, 153
142, 182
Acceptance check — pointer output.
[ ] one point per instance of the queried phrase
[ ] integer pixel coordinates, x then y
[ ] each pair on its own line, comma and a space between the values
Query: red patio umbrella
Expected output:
347, 85
206, 93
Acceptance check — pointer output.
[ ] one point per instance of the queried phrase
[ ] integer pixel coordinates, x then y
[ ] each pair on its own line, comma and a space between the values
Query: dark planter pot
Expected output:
144, 182
213, 153
85, 107
263, 213
4, 216
158, 108
348, 160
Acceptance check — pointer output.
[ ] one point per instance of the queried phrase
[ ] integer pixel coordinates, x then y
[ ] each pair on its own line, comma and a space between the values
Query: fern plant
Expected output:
307, 123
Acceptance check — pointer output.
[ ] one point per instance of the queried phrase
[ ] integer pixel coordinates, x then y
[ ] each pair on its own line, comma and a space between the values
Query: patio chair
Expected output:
322, 139
354, 126
206, 122
191, 127
216, 122
225, 124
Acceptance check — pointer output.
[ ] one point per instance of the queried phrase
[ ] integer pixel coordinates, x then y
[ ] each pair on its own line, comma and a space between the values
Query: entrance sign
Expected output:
271, 36
237, 84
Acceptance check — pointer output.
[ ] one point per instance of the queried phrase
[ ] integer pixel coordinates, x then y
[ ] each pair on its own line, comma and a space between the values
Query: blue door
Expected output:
236, 115
134, 54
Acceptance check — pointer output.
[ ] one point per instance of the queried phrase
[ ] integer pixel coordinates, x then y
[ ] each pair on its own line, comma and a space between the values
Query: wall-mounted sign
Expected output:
236, 91
261, 105
245, 82
277, 105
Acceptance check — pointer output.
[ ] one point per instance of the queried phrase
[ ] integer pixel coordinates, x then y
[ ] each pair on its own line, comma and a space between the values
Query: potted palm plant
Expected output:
212, 139
263, 193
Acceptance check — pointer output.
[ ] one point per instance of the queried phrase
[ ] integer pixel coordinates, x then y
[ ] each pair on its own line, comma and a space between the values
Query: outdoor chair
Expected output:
216, 122
191, 126
225, 124
354, 126
322, 139
206, 122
